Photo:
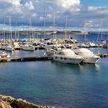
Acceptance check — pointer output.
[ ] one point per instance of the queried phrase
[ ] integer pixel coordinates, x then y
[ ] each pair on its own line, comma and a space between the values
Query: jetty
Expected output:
5, 59
37, 58
30, 58
25, 59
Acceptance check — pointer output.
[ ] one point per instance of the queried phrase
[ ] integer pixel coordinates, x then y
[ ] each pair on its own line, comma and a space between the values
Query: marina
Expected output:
39, 75
48, 44
53, 54
37, 58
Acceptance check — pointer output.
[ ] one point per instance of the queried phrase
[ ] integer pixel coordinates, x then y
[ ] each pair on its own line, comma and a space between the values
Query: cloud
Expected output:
68, 4
76, 12
29, 5
12, 2
40, 5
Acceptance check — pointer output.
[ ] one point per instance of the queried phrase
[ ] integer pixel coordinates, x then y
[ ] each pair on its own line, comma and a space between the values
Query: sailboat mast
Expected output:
30, 28
65, 27
99, 33
54, 30
15, 33
84, 30
18, 32
10, 27
101, 30
4, 31
44, 22
10, 36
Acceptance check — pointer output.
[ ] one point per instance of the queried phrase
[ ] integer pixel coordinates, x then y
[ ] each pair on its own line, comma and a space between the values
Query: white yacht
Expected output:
67, 56
8, 47
4, 54
28, 47
89, 56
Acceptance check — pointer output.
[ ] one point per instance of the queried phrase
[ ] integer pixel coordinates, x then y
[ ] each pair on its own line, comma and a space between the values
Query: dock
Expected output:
5, 59
30, 58
37, 58
25, 59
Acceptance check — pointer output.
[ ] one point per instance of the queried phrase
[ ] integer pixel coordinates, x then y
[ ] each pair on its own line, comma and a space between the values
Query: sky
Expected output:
95, 2
79, 13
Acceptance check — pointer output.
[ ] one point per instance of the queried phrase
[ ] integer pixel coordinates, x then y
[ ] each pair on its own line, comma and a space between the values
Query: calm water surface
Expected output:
61, 85
52, 83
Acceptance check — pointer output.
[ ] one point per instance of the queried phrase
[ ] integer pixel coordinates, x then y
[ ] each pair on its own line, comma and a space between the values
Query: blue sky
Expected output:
88, 2
78, 12
95, 2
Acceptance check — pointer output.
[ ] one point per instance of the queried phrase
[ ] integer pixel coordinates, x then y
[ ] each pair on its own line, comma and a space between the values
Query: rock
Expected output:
10, 102
4, 104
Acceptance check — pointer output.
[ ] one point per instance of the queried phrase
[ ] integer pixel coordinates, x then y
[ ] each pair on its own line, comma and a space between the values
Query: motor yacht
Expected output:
88, 56
67, 56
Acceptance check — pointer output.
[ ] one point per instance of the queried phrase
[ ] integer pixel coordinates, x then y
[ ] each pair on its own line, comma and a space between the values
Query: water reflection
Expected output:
89, 67
3, 66
55, 83
67, 68
70, 68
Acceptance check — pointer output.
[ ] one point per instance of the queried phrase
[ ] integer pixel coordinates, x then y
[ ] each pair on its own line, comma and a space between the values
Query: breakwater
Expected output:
10, 102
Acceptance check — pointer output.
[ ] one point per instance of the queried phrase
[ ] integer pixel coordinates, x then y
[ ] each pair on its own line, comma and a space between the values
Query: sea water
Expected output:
57, 84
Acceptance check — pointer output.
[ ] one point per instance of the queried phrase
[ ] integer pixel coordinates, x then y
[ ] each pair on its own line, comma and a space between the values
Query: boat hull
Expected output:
9, 49
28, 48
91, 60
68, 60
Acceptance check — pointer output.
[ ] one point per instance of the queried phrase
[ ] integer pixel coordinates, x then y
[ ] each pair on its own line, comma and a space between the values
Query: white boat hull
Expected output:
91, 60
9, 49
88, 56
68, 60
28, 48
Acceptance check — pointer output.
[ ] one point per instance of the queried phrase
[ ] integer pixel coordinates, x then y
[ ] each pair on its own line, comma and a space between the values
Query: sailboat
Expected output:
9, 45
84, 31
16, 44
28, 46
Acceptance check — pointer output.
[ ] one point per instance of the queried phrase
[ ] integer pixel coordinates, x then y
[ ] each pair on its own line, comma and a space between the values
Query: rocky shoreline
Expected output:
10, 102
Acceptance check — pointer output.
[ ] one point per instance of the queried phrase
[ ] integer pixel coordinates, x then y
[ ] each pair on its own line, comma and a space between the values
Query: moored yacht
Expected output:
89, 56
8, 47
50, 50
4, 57
4, 54
67, 56
28, 47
